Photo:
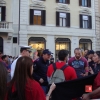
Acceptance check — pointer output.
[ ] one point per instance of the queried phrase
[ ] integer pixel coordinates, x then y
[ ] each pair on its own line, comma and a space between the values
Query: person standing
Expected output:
40, 69
91, 63
85, 53
3, 81
79, 63
24, 51
69, 72
5, 62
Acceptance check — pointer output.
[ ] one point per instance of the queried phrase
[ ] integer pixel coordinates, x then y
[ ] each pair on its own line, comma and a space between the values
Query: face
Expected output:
26, 53
90, 56
85, 52
6, 59
96, 59
78, 54
46, 56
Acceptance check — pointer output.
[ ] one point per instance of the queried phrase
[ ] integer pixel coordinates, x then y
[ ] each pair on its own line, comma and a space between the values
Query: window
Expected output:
62, 43
85, 22
37, 17
14, 39
63, 1
2, 13
62, 19
37, 43
85, 3
85, 44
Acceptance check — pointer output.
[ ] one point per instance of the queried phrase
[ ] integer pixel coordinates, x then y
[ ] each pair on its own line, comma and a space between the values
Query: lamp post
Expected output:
19, 24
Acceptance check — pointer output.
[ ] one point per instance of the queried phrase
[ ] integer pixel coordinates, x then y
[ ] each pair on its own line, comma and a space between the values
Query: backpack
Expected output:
58, 74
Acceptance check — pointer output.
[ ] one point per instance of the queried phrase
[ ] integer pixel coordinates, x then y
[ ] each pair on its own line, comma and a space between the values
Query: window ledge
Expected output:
62, 7
85, 7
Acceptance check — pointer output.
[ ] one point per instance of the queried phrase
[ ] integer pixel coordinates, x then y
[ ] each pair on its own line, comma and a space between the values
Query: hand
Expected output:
89, 60
85, 97
8, 71
52, 87
41, 80
90, 70
83, 74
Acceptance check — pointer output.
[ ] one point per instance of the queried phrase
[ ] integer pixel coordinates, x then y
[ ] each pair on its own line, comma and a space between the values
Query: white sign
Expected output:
85, 17
36, 12
63, 15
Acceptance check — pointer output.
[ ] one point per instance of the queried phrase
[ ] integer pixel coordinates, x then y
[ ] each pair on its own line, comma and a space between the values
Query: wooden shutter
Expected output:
80, 2
57, 1
43, 17
57, 18
3, 13
68, 1
68, 20
89, 3
31, 16
90, 22
81, 21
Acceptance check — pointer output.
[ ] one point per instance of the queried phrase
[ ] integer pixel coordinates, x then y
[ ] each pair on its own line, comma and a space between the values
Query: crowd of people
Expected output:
30, 78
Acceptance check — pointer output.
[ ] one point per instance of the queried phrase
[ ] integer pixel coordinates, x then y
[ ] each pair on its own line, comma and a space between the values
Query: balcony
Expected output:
6, 27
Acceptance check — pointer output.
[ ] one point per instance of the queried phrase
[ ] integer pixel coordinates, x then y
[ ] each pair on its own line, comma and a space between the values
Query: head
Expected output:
78, 53
85, 52
3, 81
90, 54
63, 55
5, 58
23, 71
96, 57
25, 52
46, 54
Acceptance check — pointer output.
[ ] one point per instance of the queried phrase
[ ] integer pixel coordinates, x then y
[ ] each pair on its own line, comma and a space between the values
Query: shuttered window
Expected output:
2, 13
62, 19
14, 39
37, 17
63, 1
85, 3
85, 22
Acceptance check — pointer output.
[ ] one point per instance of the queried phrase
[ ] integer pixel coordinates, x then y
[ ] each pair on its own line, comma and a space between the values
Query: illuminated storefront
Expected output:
37, 43
85, 44
62, 43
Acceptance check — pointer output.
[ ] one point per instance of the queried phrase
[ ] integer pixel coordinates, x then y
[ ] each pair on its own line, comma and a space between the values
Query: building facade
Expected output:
6, 29
54, 24
97, 14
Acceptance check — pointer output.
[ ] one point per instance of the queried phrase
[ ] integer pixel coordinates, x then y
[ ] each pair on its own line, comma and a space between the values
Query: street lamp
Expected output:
19, 24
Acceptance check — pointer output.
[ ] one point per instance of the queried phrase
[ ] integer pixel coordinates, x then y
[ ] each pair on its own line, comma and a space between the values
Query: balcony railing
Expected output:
5, 25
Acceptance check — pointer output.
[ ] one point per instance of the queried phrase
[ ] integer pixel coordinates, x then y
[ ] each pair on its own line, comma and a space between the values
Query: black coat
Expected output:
40, 68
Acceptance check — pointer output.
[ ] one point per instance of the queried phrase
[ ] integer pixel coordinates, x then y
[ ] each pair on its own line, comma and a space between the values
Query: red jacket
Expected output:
69, 72
33, 91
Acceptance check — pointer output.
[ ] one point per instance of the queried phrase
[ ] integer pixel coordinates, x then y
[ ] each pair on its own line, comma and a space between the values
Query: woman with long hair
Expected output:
22, 86
3, 81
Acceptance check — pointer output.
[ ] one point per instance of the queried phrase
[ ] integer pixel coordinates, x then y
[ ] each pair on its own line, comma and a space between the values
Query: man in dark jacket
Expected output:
40, 69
